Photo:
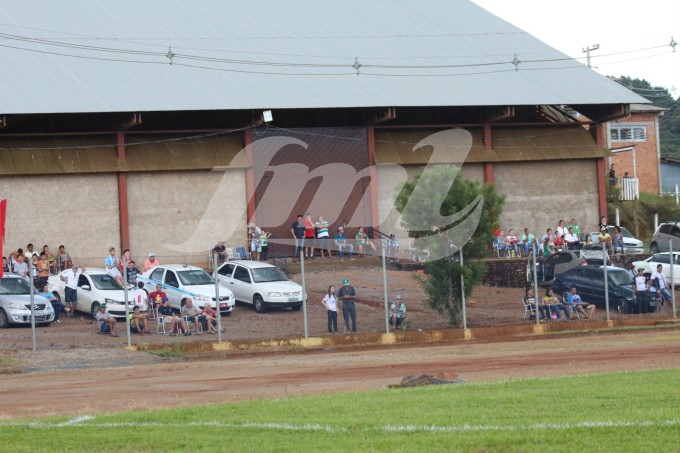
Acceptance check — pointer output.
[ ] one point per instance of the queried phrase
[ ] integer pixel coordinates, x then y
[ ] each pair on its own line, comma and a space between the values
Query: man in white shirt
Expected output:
20, 266
660, 282
572, 240
70, 277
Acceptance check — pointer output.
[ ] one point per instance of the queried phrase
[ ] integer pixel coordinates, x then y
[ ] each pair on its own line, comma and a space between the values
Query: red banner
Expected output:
3, 213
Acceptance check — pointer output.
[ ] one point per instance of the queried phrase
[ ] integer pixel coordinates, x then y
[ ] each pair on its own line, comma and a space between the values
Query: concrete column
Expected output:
123, 196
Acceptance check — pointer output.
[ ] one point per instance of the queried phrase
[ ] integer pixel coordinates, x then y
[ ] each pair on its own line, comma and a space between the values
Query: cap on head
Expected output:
102, 306
345, 281
341, 228
398, 297
151, 254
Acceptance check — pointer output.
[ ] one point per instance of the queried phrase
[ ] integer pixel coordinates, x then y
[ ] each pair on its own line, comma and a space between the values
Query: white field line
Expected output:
87, 422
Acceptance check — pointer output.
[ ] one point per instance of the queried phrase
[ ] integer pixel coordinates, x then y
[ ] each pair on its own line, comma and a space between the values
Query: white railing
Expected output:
629, 189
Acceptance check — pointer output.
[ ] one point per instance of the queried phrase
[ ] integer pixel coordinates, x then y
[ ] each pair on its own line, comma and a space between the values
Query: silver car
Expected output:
664, 234
15, 303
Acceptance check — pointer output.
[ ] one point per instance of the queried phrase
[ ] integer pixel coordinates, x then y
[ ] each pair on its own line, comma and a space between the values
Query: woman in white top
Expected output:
561, 229
331, 305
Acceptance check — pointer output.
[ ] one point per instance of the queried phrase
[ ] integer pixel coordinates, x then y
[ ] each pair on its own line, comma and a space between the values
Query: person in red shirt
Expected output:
156, 298
309, 236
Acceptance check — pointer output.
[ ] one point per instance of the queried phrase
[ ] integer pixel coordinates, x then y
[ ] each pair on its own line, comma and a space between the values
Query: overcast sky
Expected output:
617, 26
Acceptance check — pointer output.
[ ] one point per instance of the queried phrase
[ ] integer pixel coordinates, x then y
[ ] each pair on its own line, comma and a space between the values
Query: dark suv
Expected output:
589, 283
663, 234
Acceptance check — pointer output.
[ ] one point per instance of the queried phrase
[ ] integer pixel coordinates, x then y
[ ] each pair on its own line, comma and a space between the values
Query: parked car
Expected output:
95, 287
550, 266
664, 233
593, 255
589, 283
260, 284
664, 258
631, 244
15, 303
181, 280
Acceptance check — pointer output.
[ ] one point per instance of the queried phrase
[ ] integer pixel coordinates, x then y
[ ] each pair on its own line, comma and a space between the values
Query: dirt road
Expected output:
159, 384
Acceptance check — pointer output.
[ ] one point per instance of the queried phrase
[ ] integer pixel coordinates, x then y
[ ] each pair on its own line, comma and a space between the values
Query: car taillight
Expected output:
583, 263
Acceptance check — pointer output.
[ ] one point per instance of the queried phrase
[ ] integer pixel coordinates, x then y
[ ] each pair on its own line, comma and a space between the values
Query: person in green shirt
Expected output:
577, 230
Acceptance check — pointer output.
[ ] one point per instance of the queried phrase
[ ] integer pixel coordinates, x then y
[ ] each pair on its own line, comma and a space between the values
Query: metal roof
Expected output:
60, 56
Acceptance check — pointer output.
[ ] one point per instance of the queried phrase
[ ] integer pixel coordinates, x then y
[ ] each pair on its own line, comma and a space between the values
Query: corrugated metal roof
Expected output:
509, 145
283, 54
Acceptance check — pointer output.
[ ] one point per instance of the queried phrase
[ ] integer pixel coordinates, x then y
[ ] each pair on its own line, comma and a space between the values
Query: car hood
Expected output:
209, 290
25, 299
281, 286
633, 242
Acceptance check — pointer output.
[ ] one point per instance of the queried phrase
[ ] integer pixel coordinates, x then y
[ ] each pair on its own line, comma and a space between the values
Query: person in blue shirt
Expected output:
584, 308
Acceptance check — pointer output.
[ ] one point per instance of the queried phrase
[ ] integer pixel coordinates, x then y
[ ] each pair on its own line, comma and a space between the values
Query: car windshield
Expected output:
15, 286
195, 277
105, 282
268, 274
620, 278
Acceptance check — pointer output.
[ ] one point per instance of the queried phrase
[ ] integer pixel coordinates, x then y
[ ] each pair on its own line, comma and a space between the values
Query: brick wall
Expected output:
646, 158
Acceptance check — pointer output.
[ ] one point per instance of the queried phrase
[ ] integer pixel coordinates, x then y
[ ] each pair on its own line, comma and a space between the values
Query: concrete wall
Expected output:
539, 194
391, 177
78, 211
181, 215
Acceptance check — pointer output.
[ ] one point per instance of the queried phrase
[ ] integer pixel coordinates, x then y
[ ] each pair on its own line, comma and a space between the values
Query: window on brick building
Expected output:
628, 133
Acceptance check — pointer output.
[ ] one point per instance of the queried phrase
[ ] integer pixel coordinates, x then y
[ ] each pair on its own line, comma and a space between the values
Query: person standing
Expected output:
264, 245
63, 258
70, 277
397, 313
297, 230
43, 267
330, 302
141, 298
323, 238
659, 281
641, 291
255, 234
310, 231
347, 295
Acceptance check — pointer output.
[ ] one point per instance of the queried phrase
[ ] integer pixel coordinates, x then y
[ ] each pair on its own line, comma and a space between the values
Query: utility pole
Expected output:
587, 51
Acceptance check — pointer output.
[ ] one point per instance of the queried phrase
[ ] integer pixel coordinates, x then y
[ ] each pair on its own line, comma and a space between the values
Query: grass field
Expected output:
620, 412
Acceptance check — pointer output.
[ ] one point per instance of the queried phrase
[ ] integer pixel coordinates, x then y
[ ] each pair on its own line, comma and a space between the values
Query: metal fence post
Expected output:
304, 288
462, 288
672, 261
606, 280
32, 300
217, 299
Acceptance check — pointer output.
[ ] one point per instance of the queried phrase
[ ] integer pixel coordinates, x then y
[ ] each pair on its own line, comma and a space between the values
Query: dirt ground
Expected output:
72, 361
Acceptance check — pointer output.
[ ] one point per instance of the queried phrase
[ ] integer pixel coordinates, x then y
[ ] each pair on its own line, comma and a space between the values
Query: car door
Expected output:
225, 276
548, 273
590, 285
665, 260
242, 284
85, 288
172, 288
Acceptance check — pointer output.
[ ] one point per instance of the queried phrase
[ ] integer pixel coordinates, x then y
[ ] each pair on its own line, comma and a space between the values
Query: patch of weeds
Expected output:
175, 350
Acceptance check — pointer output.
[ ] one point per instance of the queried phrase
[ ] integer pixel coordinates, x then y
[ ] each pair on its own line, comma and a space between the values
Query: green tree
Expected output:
443, 276
669, 122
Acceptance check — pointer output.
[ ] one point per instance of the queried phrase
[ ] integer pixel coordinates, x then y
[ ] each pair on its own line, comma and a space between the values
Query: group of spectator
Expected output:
309, 234
564, 237
44, 262
551, 307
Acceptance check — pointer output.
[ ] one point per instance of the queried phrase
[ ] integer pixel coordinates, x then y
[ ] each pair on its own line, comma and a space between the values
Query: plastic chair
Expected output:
198, 327
243, 253
211, 259
572, 308
160, 326
529, 309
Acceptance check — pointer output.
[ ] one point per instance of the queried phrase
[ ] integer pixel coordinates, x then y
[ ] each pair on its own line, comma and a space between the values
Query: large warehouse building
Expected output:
146, 125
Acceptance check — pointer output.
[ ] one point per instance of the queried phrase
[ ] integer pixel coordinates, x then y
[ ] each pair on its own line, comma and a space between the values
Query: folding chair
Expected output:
198, 327
529, 310
572, 308
243, 253
231, 255
160, 326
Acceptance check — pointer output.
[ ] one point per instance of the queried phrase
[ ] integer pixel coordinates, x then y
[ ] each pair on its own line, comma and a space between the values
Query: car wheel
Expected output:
622, 307
653, 248
94, 309
4, 320
296, 307
259, 304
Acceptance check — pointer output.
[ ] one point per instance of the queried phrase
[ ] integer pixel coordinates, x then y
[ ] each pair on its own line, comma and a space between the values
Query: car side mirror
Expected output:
85, 287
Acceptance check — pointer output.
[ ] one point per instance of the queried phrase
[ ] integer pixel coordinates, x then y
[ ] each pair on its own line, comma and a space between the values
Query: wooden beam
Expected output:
123, 210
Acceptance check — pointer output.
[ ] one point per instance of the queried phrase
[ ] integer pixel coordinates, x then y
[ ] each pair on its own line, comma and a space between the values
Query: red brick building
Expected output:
634, 140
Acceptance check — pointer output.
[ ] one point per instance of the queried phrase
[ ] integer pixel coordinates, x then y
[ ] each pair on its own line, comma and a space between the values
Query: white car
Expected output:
181, 280
649, 265
631, 244
95, 287
260, 284
15, 303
